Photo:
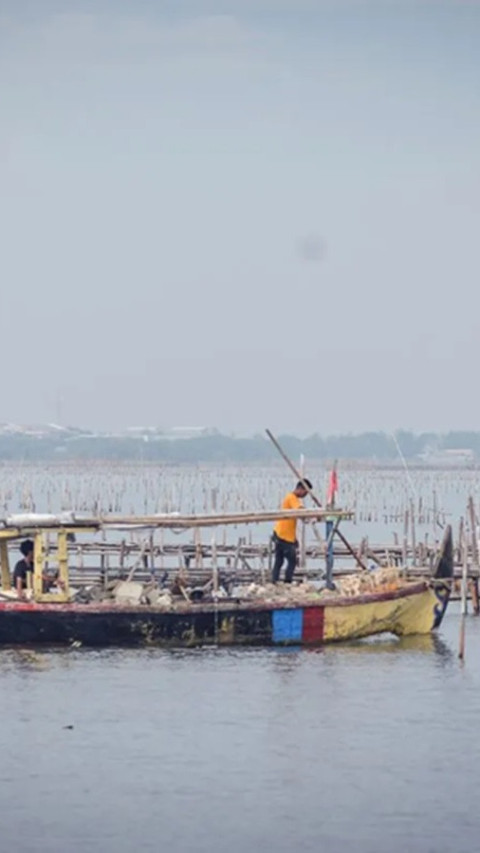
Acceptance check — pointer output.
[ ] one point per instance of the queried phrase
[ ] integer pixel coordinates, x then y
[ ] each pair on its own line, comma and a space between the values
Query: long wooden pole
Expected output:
473, 530
313, 496
214, 564
293, 468
475, 556
303, 531
461, 642
138, 522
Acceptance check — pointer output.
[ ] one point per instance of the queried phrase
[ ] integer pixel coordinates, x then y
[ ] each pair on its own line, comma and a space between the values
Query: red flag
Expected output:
332, 487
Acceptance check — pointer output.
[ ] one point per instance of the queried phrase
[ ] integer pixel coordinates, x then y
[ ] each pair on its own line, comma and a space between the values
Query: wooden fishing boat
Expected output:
405, 608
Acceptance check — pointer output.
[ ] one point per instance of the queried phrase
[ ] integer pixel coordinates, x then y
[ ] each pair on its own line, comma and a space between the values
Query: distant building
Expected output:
155, 433
38, 430
190, 432
144, 430
454, 457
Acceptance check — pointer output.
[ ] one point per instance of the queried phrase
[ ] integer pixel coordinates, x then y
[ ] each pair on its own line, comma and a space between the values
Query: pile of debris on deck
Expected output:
135, 593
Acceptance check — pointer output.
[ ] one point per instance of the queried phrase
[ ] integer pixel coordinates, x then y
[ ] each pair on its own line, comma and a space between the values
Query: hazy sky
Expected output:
240, 213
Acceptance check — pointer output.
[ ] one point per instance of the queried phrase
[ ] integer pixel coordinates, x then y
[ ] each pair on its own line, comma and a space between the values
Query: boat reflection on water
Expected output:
383, 644
417, 643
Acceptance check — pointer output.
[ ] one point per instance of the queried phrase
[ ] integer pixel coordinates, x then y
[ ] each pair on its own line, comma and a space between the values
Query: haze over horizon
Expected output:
240, 214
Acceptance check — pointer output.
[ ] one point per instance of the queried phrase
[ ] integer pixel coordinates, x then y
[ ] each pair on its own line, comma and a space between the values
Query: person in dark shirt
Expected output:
23, 566
26, 565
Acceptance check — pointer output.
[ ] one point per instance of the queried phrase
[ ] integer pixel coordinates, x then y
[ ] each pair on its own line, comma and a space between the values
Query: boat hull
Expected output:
414, 609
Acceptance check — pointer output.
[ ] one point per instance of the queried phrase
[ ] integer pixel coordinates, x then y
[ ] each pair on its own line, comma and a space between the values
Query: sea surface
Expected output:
368, 747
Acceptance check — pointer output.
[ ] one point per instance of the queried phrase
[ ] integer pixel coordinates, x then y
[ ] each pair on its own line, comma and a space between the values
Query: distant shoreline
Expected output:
453, 450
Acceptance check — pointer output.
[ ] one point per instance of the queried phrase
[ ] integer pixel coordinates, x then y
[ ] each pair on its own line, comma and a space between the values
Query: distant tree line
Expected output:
375, 446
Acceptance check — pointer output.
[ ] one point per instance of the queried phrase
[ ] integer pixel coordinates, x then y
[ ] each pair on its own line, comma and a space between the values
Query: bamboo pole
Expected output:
238, 551
138, 523
473, 531
461, 534
405, 537
214, 565
303, 530
350, 550
139, 561
152, 555
198, 548
103, 573
412, 526
461, 642
475, 556
161, 548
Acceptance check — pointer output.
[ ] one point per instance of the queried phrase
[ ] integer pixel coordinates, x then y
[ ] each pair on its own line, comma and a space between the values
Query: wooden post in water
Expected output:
263, 575
405, 538
475, 559
236, 559
121, 559
198, 548
461, 642
214, 565
161, 550
152, 556
412, 526
362, 548
461, 533
103, 564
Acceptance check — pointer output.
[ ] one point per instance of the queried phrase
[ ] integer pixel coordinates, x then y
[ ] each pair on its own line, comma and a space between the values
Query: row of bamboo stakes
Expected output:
376, 496
406, 549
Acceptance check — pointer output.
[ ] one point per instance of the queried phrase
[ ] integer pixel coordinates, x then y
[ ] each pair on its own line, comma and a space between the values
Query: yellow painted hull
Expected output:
413, 613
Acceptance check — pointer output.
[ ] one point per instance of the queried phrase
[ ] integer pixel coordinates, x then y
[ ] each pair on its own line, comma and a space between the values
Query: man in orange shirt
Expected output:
285, 534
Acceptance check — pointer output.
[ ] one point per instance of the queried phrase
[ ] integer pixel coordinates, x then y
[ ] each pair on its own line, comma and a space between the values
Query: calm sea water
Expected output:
367, 747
